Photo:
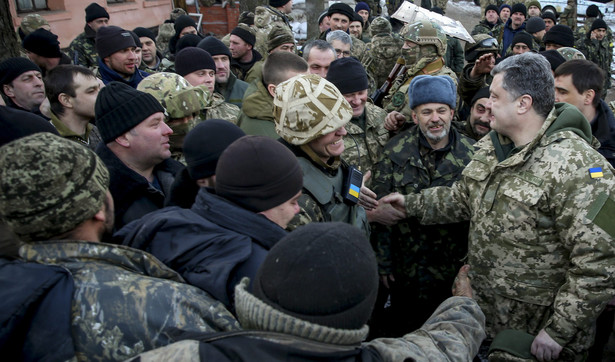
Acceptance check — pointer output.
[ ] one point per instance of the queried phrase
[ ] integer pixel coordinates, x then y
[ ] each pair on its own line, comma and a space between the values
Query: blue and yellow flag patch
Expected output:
595, 172
354, 190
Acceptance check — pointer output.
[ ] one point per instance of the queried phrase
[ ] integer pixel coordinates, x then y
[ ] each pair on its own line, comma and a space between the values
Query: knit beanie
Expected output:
547, 14
534, 25
519, 8
341, 8
258, 173
505, 6
323, 273
245, 33
191, 59
308, 106
279, 35
136, 39
95, 11
49, 185
348, 75
482, 93
432, 89
247, 17
278, 3
561, 35
598, 24
491, 7
12, 68
362, 6
119, 108
535, 3
554, 58
214, 46
145, 33
592, 11
110, 39
522, 37
187, 41
184, 21
205, 143
44, 43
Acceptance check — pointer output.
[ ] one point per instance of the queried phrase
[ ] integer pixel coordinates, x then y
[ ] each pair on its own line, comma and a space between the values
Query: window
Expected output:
31, 5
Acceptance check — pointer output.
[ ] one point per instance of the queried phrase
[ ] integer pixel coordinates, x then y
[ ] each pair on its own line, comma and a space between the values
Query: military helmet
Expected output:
176, 95
424, 32
380, 25
570, 53
483, 44
308, 106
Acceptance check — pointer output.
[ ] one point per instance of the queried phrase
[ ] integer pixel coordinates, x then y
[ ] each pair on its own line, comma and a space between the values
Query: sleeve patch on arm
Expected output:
602, 213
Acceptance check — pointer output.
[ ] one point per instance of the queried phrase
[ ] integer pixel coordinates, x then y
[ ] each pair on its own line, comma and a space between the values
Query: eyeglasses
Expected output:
343, 53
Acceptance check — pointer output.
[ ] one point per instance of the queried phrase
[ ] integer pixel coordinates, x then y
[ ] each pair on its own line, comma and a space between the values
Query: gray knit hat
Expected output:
49, 185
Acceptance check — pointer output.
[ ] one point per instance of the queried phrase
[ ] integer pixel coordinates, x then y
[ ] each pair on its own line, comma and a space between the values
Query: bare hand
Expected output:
545, 348
484, 64
385, 214
386, 278
394, 121
462, 286
396, 200
367, 197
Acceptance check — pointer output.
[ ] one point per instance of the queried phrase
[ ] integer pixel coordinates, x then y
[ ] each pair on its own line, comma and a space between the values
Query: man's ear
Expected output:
588, 97
8, 90
271, 89
414, 118
100, 215
65, 100
525, 103
123, 140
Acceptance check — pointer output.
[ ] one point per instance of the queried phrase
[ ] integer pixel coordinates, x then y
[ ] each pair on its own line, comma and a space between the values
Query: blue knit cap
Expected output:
505, 6
432, 89
362, 6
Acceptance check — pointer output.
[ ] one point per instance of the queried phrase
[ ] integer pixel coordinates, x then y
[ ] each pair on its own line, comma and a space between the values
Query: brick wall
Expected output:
217, 19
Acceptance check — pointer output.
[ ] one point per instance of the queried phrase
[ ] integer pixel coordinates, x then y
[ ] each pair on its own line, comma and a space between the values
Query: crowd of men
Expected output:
377, 193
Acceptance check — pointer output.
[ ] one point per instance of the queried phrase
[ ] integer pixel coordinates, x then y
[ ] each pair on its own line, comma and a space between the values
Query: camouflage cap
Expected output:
570, 53
279, 35
424, 32
483, 43
308, 106
380, 25
176, 13
176, 95
31, 22
49, 185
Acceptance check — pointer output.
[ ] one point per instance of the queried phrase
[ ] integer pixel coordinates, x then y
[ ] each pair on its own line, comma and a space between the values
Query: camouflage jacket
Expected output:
82, 50
265, 18
397, 99
233, 91
366, 138
485, 27
126, 301
425, 257
581, 32
380, 56
599, 52
541, 243
219, 109
453, 333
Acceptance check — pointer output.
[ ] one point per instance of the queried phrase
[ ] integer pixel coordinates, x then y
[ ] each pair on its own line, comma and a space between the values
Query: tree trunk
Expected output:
313, 9
9, 45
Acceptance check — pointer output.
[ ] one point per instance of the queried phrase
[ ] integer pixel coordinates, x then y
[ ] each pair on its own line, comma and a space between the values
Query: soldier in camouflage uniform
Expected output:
421, 260
30, 23
55, 197
82, 50
166, 30
268, 16
423, 52
597, 48
541, 246
310, 115
285, 326
382, 52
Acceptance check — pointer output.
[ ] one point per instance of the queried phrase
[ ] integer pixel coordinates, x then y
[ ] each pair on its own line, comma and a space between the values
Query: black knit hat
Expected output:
491, 7
278, 3
554, 58
119, 108
549, 15
191, 59
341, 8
136, 39
184, 21
561, 35
95, 11
258, 173
348, 75
214, 47
187, 41
44, 43
598, 24
323, 273
534, 25
522, 37
12, 68
110, 39
593, 11
243, 31
482, 93
519, 8
145, 32
205, 143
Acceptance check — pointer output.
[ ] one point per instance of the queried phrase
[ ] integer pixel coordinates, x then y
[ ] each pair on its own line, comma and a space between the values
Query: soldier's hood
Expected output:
569, 118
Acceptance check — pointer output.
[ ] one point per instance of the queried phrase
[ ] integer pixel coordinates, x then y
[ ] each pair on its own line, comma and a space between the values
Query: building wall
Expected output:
67, 17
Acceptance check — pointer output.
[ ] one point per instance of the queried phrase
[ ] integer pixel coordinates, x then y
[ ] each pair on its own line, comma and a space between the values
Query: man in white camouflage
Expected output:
538, 196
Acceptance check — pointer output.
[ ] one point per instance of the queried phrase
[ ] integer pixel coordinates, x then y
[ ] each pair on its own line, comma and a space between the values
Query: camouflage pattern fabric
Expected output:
265, 18
581, 32
358, 47
30, 23
542, 243
165, 32
380, 56
570, 53
569, 15
82, 50
599, 52
126, 301
175, 94
219, 109
366, 138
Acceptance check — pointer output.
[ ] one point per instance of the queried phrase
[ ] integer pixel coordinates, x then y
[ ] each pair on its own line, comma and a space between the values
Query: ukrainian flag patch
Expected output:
354, 191
595, 172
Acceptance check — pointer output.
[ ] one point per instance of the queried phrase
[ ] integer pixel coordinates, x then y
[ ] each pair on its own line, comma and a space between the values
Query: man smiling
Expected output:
117, 58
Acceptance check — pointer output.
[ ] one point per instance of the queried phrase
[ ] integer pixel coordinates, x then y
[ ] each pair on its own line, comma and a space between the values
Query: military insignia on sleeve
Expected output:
398, 99
595, 172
